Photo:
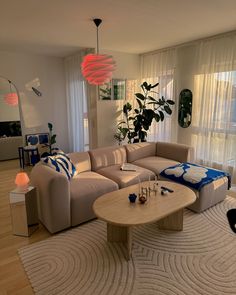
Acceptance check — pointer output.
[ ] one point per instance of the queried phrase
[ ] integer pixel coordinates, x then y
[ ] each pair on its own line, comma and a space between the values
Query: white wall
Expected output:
8, 113
107, 111
38, 111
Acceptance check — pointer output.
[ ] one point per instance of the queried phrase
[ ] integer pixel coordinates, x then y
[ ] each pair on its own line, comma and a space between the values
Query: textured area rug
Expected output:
199, 260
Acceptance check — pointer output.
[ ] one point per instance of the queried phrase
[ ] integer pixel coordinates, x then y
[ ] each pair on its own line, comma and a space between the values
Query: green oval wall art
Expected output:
185, 108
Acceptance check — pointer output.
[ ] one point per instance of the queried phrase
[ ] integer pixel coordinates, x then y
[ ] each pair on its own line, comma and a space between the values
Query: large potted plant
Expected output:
137, 121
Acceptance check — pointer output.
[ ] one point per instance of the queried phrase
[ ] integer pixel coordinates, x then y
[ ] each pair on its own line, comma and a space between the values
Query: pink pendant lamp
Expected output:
97, 68
11, 98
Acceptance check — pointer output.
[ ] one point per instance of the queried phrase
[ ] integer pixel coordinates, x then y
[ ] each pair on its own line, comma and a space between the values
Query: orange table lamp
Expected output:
22, 181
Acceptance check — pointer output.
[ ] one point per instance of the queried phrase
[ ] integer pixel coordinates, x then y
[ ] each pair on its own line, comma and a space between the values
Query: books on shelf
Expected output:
128, 167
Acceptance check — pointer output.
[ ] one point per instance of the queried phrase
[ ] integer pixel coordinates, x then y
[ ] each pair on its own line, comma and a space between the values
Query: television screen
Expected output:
10, 128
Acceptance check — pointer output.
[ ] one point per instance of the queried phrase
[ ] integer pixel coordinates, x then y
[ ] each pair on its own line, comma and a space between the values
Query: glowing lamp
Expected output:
11, 99
97, 68
22, 181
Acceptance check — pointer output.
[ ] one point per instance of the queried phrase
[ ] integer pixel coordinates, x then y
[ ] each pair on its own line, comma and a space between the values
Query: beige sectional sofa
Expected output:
64, 203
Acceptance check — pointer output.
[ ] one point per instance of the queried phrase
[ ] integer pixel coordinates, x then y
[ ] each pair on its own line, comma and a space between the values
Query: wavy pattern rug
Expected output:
199, 260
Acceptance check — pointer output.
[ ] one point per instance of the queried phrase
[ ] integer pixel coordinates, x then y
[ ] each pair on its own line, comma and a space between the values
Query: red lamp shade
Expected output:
22, 181
97, 68
11, 98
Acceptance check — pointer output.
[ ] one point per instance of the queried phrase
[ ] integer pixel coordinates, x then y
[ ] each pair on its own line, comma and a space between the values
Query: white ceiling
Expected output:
60, 27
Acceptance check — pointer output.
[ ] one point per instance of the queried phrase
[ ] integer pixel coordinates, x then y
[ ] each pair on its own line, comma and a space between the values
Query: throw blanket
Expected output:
193, 175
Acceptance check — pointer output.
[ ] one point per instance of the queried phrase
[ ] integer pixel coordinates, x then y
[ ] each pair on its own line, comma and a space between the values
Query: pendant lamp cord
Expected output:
97, 42
97, 22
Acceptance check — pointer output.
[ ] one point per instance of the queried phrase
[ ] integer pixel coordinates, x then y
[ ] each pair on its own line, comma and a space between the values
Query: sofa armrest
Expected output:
175, 151
53, 197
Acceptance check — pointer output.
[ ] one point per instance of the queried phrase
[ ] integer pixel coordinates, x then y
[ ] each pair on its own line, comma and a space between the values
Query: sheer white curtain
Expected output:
76, 103
160, 67
214, 104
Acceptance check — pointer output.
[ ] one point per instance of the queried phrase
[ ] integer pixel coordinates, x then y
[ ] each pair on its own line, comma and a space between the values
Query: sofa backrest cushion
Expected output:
81, 161
140, 150
104, 157
178, 152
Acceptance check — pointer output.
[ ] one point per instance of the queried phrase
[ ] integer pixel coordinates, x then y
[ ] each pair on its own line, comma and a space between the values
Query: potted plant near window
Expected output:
138, 121
51, 141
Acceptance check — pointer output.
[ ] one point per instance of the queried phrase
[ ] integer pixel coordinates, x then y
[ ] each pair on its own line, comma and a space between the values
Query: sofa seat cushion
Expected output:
126, 178
155, 164
85, 188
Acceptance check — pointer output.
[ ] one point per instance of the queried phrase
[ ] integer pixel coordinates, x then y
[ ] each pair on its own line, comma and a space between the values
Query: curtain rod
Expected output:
190, 42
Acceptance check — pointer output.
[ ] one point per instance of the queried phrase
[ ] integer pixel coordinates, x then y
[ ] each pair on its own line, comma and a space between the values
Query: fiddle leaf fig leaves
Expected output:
171, 102
155, 85
168, 109
140, 96
138, 121
162, 116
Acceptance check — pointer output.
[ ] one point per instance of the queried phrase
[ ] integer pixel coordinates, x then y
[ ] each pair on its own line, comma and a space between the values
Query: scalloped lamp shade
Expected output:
22, 181
11, 99
97, 68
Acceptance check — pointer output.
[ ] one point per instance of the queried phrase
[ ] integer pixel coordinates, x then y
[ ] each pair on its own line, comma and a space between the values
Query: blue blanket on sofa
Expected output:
194, 175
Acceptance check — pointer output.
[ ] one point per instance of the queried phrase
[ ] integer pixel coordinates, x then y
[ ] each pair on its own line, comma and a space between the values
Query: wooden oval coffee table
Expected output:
121, 215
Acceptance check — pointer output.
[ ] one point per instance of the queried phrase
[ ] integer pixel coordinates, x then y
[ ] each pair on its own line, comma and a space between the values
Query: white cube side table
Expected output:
24, 211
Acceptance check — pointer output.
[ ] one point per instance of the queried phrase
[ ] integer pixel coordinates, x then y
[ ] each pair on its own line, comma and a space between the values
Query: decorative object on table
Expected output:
22, 182
132, 198
185, 108
97, 68
143, 196
164, 192
142, 199
153, 189
137, 122
231, 215
24, 212
167, 189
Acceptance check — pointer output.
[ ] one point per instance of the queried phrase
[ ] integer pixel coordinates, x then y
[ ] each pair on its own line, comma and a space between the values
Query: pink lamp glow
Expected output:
22, 181
97, 68
11, 98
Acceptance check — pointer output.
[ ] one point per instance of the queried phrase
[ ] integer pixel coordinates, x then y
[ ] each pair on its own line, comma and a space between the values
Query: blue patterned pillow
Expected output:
60, 162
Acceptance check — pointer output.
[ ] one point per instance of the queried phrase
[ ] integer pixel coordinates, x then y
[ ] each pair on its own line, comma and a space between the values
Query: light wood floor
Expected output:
13, 279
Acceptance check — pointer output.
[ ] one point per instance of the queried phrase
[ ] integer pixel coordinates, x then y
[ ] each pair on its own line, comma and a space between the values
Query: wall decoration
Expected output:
39, 138
119, 89
105, 91
185, 108
113, 90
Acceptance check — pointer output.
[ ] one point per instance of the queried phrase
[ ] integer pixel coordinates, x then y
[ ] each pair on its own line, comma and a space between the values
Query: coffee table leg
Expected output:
173, 221
120, 234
